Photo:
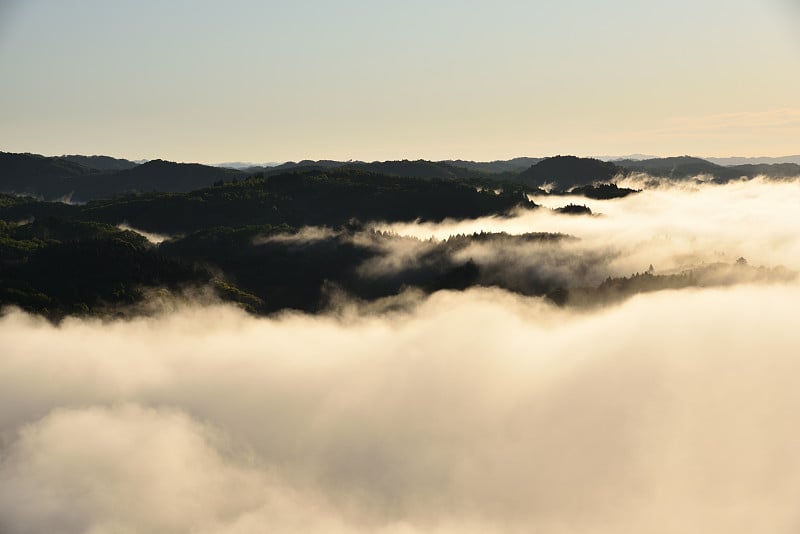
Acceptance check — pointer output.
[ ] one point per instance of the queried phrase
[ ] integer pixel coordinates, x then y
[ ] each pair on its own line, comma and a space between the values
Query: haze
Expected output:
277, 81
673, 228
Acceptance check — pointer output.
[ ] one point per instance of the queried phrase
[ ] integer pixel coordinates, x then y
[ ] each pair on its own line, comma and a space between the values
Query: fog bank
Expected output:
675, 227
477, 411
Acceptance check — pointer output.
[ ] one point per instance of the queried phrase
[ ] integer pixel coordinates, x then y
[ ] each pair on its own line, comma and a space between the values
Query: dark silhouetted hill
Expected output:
101, 163
297, 199
304, 165
514, 166
679, 168
156, 175
53, 178
602, 191
416, 169
32, 174
423, 169
565, 172
687, 167
773, 170
85, 178
733, 161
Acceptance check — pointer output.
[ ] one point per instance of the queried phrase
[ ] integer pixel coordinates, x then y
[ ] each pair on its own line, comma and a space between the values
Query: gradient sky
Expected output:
247, 80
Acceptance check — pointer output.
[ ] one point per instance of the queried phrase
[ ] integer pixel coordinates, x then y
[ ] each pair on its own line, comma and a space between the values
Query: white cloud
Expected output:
675, 227
476, 411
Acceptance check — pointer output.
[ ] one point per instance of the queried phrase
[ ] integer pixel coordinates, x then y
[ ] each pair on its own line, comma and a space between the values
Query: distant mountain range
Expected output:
72, 177
515, 165
83, 178
755, 161
687, 167
725, 162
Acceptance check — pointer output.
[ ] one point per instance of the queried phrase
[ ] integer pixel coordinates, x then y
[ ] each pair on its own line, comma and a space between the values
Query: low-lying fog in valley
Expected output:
672, 228
473, 411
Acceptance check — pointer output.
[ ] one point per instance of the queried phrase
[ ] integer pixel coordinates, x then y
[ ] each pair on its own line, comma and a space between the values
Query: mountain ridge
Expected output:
73, 178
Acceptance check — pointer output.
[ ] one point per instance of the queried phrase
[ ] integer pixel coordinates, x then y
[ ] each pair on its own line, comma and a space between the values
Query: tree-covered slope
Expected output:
300, 199
565, 172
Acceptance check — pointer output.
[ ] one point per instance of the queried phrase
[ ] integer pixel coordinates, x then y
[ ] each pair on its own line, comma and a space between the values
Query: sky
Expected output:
247, 80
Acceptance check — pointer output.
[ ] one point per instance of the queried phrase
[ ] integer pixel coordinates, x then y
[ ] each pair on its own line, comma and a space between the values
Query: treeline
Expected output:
297, 199
615, 289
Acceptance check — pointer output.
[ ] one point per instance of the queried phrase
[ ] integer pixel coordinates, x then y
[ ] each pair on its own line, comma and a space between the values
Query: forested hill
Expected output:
685, 167
565, 172
40, 176
288, 241
424, 169
70, 177
305, 198
509, 166
101, 163
58, 259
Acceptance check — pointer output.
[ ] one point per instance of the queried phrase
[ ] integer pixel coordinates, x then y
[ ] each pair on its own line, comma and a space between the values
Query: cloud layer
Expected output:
678, 226
477, 411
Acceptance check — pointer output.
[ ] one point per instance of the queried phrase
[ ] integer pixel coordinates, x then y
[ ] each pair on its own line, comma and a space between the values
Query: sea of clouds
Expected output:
475, 411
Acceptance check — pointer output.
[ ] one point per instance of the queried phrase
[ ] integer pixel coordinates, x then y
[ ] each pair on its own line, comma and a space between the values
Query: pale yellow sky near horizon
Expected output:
277, 80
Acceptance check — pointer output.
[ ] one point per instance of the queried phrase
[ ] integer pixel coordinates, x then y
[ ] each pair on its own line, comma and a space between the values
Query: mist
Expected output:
675, 227
150, 236
475, 411
458, 411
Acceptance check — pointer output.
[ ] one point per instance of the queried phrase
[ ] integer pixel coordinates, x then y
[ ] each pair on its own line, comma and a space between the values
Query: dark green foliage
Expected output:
57, 229
79, 276
281, 274
58, 267
15, 249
